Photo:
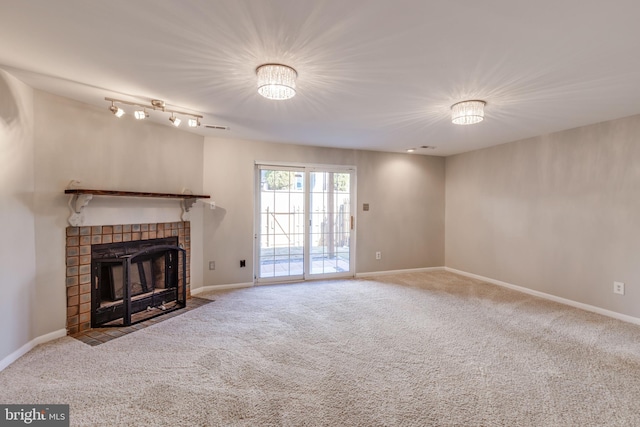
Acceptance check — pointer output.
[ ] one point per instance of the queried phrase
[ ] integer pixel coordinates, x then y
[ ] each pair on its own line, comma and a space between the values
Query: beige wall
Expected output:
17, 251
559, 213
405, 193
75, 141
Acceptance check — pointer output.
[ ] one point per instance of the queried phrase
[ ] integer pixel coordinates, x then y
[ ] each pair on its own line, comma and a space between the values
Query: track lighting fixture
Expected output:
154, 104
175, 120
118, 112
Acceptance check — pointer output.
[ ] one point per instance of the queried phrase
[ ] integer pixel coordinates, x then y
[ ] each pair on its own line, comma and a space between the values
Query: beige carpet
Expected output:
423, 349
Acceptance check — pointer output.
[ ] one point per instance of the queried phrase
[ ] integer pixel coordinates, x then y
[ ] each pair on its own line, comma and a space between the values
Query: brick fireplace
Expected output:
78, 260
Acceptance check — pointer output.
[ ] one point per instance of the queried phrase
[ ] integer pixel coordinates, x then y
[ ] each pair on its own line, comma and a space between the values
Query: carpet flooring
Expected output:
416, 349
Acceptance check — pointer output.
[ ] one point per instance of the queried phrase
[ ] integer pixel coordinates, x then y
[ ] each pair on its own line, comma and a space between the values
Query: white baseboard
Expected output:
389, 272
587, 307
220, 287
30, 345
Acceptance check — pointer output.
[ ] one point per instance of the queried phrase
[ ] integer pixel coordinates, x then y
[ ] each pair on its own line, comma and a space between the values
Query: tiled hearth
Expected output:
78, 260
99, 336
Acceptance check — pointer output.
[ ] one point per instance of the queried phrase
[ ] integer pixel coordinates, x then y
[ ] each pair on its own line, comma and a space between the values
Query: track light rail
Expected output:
154, 104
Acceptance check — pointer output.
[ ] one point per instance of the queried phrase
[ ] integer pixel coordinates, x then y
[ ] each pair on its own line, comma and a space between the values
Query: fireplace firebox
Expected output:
137, 280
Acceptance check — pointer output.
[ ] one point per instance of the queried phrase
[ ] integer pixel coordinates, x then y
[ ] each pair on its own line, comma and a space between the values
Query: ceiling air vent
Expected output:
217, 127
429, 147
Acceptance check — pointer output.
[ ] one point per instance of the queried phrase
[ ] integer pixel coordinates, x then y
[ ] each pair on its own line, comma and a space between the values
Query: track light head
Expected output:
118, 112
194, 122
141, 114
175, 120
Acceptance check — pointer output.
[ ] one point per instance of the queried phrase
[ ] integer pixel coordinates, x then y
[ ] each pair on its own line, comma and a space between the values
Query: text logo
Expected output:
34, 415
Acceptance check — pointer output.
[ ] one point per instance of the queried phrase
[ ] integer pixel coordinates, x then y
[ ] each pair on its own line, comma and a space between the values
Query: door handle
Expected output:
352, 221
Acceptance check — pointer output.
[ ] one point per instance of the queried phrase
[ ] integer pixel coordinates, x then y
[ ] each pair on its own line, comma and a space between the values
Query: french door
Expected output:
304, 223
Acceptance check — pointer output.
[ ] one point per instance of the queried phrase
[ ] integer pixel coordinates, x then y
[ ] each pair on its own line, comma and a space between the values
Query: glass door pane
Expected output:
330, 205
281, 223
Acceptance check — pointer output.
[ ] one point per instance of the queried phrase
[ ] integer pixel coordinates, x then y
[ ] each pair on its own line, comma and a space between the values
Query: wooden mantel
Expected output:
134, 194
80, 198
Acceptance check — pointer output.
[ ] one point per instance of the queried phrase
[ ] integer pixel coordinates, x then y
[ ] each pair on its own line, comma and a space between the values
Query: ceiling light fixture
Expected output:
141, 114
468, 112
154, 104
118, 112
193, 123
175, 120
276, 81
411, 150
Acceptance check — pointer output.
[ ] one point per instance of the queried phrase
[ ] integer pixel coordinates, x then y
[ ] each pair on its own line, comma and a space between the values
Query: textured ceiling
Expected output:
373, 74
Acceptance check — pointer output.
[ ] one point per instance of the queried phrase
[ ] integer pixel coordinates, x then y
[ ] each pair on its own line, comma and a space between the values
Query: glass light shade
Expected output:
467, 112
276, 81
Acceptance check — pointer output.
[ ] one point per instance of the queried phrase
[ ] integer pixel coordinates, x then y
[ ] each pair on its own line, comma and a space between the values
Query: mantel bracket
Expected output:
187, 204
77, 203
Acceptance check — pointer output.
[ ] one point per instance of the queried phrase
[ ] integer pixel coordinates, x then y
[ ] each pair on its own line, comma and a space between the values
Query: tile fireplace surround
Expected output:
78, 260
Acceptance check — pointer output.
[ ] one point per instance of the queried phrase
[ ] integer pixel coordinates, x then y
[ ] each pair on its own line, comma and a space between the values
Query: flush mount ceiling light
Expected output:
276, 81
422, 147
154, 104
118, 112
468, 112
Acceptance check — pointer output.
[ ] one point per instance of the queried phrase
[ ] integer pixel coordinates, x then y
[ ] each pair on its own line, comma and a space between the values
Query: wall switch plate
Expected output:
212, 265
378, 255
212, 205
618, 288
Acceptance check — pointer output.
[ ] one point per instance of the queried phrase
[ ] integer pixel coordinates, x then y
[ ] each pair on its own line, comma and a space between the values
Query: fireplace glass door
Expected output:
133, 281
141, 280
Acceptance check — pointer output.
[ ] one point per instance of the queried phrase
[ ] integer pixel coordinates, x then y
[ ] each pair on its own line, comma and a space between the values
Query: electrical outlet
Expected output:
378, 255
618, 288
212, 265
243, 263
